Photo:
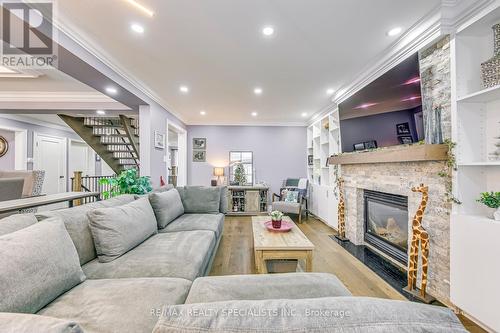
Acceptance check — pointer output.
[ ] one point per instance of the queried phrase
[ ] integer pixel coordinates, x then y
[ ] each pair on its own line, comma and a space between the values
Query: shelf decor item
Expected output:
490, 69
276, 218
4, 146
491, 200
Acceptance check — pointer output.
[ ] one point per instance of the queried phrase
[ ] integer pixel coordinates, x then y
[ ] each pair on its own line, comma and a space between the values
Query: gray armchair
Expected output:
292, 198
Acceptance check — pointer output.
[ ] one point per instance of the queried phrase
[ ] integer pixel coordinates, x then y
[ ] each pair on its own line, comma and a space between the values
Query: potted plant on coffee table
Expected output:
491, 200
276, 218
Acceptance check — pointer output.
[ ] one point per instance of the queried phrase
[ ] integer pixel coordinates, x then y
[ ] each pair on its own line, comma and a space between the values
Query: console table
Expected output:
247, 200
10, 206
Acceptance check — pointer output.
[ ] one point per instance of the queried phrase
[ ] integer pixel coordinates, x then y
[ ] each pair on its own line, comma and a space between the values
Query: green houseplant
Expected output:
127, 182
276, 217
491, 200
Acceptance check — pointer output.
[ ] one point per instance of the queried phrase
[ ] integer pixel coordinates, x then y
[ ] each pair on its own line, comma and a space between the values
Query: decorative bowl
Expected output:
285, 226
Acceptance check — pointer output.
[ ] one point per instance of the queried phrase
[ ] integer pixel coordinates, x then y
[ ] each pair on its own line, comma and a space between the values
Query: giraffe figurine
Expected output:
341, 208
419, 240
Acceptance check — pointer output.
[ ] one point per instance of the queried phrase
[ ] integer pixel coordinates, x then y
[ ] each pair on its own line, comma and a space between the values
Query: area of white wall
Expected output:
8, 161
279, 152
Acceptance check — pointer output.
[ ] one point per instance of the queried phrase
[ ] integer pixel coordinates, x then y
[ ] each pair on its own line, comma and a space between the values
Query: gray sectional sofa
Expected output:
127, 264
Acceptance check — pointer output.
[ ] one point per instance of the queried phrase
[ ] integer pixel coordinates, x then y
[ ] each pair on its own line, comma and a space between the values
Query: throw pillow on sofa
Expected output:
200, 199
38, 263
16, 222
116, 230
167, 206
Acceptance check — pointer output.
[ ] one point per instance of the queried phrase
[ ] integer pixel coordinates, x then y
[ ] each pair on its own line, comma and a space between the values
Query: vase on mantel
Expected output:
490, 69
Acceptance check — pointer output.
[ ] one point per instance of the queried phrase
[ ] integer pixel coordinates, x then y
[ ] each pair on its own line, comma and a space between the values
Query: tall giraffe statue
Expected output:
419, 239
341, 208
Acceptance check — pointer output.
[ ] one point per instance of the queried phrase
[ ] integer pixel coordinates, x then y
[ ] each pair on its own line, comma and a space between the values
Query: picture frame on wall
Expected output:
403, 128
310, 160
159, 140
405, 139
4, 146
199, 155
200, 143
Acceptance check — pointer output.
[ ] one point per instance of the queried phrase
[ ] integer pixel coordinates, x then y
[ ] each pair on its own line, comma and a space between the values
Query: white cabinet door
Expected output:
332, 209
314, 200
323, 203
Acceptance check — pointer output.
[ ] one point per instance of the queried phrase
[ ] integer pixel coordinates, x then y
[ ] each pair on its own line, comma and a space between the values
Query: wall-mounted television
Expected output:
387, 112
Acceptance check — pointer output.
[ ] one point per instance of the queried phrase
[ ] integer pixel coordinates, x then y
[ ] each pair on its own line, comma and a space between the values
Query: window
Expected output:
246, 159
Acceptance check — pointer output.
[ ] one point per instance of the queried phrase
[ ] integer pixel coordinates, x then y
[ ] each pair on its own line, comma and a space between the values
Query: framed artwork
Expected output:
310, 160
199, 143
4, 146
159, 140
405, 139
403, 128
359, 146
199, 155
372, 144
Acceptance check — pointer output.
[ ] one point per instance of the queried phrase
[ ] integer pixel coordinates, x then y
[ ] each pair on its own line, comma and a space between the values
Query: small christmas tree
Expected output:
239, 174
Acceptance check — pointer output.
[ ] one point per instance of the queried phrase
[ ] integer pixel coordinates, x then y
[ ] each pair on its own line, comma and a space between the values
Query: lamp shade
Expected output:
218, 172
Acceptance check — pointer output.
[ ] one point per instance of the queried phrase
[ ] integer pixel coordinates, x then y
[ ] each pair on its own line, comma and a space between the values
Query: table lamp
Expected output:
218, 172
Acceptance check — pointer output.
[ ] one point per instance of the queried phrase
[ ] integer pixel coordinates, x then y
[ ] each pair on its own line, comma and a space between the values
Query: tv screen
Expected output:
387, 112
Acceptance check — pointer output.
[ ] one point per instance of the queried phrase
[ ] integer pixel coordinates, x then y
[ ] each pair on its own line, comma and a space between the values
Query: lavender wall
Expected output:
279, 152
7, 161
380, 127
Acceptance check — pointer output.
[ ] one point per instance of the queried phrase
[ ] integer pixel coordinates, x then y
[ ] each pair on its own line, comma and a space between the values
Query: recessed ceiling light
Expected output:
330, 91
184, 89
304, 114
257, 91
137, 28
101, 112
394, 31
141, 7
254, 114
111, 90
268, 31
203, 112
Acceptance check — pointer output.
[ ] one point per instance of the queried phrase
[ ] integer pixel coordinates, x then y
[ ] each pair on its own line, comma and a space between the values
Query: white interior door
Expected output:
50, 155
81, 159
181, 154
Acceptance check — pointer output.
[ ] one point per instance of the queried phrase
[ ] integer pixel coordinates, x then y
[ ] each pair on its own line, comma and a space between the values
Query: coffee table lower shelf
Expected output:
262, 255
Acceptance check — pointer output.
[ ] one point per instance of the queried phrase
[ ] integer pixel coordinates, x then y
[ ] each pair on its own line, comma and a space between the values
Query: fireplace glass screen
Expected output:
386, 223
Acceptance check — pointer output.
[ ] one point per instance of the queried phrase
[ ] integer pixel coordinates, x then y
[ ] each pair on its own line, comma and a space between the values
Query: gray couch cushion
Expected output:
200, 199
223, 200
319, 315
77, 224
265, 286
122, 305
116, 230
16, 222
178, 254
167, 206
29, 323
37, 264
163, 188
188, 222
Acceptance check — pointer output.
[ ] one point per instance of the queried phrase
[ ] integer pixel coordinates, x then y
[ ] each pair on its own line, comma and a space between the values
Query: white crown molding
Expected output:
246, 124
77, 36
43, 100
457, 12
36, 122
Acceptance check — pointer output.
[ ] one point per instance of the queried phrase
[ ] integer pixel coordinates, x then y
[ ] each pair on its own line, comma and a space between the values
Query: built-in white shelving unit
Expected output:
323, 140
475, 249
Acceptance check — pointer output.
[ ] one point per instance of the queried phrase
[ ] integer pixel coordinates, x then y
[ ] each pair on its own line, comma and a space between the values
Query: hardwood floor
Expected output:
235, 256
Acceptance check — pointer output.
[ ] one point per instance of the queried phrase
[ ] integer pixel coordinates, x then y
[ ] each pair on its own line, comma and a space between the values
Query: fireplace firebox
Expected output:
386, 224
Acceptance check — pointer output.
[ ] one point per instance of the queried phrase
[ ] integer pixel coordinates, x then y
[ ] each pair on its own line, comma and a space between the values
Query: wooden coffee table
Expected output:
270, 245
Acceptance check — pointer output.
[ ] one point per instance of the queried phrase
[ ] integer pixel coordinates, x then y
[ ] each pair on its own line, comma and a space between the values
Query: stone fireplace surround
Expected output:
399, 178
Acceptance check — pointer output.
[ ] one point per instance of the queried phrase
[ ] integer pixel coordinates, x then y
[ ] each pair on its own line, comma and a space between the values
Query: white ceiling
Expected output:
216, 48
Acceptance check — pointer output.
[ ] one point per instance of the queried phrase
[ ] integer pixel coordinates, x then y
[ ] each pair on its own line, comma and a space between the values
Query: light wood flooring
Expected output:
235, 256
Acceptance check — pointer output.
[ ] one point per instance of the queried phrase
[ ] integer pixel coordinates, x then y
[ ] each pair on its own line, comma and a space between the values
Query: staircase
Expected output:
114, 139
